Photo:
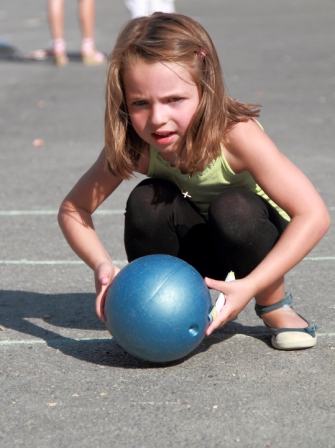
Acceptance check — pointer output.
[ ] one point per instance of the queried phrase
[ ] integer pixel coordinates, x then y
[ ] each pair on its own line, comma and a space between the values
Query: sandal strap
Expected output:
309, 330
261, 310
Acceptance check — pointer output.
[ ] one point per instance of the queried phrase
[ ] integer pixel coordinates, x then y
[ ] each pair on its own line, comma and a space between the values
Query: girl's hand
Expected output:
104, 275
237, 297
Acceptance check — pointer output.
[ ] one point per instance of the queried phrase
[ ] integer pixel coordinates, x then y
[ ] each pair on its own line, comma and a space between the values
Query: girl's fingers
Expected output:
99, 306
214, 284
220, 320
222, 317
101, 297
104, 277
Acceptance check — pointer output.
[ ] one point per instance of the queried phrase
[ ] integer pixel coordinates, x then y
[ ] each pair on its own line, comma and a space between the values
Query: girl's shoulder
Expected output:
243, 141
244, 130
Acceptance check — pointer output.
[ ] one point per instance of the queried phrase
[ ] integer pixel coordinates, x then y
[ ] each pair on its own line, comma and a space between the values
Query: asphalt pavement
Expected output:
64, 382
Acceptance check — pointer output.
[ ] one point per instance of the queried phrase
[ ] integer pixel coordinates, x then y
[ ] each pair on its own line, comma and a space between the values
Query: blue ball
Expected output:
157, 308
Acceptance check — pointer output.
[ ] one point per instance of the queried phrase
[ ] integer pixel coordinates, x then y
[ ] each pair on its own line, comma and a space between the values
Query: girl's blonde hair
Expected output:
170, 38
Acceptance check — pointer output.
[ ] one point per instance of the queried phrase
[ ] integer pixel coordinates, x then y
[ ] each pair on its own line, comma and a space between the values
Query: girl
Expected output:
219, 194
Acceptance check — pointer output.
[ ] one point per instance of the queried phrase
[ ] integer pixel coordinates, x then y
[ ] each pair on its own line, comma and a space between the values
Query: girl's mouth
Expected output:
163, 138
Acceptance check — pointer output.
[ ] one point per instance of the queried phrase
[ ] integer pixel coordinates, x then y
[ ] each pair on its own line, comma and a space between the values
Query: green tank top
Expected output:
203, 186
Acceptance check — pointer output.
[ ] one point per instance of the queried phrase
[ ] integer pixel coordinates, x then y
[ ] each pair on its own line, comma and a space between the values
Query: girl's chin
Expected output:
166, 149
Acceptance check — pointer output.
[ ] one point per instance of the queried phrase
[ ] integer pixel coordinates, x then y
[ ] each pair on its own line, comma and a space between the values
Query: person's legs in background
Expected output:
86, 13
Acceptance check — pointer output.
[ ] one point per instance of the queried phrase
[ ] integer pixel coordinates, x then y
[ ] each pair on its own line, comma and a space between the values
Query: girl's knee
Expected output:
150, 192
234, 200
150, 200
236, 214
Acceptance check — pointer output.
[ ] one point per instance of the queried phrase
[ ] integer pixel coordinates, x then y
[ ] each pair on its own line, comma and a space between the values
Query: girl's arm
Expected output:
252, 150
77, 226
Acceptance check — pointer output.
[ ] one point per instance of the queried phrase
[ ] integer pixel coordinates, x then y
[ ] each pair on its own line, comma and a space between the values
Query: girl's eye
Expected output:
139, 103
176, 100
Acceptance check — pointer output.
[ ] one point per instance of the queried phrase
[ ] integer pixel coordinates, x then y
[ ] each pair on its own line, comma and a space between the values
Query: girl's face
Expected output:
161, 101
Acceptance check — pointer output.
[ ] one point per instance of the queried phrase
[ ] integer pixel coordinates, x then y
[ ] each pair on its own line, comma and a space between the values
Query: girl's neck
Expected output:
174, 159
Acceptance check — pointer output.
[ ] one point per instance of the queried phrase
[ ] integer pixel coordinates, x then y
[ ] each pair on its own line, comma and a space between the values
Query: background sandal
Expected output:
90, 55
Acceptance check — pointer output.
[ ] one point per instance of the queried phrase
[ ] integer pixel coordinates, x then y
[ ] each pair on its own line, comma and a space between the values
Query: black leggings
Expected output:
241, 230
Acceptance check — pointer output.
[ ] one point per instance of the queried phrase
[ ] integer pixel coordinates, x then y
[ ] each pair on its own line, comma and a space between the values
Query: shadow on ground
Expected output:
9, 53
76, 311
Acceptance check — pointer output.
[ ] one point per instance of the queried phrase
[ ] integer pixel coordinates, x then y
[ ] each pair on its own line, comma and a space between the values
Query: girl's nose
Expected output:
158, 115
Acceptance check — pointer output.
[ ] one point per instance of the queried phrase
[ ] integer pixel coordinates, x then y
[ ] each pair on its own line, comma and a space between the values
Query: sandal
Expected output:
94, 58
90, 55
40, 55
61, 59
288, 338
59, 47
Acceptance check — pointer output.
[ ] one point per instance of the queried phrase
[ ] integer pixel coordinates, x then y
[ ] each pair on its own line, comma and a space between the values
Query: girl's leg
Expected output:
87, 23
159, 220
56, 23
245, 228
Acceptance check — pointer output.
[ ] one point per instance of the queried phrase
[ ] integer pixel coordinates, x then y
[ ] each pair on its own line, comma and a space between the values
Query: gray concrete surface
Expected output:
64, 382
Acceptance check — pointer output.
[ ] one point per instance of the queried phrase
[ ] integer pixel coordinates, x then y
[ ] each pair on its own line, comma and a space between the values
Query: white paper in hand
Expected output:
221, 300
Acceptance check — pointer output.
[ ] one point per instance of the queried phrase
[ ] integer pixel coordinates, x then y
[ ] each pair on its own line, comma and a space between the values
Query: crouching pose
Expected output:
219, 193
